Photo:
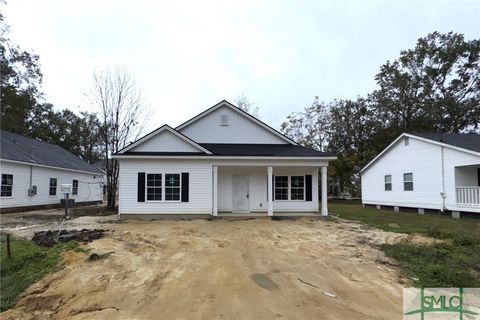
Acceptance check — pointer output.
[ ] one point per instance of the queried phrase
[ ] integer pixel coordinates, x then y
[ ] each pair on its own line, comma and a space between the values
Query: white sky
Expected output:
189, 55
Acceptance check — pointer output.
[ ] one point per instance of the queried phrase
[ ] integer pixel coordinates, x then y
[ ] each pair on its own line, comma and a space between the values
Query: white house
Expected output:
221, 162
32, 172
426, 171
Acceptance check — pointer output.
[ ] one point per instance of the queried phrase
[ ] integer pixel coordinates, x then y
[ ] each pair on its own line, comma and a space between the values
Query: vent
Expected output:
407, 141
224, 120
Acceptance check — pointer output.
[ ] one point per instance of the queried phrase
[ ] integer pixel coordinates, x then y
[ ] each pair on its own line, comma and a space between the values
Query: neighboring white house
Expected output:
426, 171
222, 161
32, 172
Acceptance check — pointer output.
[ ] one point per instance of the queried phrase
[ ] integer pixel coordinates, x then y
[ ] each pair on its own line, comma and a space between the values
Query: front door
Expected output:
240, 194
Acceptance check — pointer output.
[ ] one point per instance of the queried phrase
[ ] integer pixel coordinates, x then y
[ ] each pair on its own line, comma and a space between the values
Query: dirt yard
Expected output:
221, 269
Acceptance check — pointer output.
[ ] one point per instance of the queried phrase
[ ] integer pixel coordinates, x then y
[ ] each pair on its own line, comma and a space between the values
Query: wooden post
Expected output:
66, 205
9, 252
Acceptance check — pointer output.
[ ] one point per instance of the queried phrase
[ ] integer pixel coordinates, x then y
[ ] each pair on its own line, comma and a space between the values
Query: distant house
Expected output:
426, 171
221, 162
32, 172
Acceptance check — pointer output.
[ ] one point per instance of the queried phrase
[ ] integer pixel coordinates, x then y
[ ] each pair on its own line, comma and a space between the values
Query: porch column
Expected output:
324, 211
215, 191
270, 191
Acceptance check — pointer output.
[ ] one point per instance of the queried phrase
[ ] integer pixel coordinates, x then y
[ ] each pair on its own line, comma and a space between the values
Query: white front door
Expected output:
240, 194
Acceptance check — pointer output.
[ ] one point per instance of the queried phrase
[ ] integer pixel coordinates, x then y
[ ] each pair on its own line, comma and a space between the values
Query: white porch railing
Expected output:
468, 196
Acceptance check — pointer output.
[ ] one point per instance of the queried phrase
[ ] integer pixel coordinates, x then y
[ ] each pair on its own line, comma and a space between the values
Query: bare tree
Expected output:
246, 105
123, 115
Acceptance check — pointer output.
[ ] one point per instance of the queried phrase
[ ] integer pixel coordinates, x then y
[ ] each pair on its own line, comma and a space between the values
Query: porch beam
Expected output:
215, 190
270, 190
324, 211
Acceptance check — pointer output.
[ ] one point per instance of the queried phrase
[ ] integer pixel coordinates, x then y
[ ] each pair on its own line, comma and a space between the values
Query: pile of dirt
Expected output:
51, 237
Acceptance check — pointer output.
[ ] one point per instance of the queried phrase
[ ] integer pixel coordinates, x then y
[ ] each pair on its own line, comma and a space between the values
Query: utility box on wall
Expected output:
32, 191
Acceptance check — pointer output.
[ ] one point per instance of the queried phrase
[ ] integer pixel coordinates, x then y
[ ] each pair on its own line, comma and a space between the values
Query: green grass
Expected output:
28, 264
453, 263
433, 225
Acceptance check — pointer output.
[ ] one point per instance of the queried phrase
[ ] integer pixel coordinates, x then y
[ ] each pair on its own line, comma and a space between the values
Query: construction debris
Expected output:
51, 237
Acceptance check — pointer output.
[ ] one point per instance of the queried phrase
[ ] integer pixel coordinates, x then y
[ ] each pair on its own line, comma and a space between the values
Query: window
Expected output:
388, 182
7, 183
281, 187
53, 187
408, 181
172, 187
407, 141
297, 188
75, 187
154, 187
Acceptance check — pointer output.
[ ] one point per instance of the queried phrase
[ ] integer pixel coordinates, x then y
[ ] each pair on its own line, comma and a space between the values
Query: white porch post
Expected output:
270, 191
215, 191
324, 211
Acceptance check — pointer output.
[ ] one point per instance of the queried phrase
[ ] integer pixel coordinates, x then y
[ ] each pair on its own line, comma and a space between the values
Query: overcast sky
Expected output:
187, 56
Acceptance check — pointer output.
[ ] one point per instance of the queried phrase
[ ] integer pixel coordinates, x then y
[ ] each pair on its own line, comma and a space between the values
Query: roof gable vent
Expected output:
224, 120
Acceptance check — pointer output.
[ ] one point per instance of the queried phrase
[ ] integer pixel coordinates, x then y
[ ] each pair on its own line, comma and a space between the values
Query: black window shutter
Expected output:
185, 184
308, 187
273, 188
141, 187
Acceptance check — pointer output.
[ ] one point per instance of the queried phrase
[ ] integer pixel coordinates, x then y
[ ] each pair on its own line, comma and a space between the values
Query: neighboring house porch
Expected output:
467, 187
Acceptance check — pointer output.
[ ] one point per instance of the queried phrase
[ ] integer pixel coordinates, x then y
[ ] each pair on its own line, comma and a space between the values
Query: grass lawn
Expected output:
454, 263
28, 264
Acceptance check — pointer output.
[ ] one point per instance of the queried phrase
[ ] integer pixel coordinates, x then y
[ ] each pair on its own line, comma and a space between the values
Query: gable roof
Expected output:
15, 147
165, 127
239, 111
469, 143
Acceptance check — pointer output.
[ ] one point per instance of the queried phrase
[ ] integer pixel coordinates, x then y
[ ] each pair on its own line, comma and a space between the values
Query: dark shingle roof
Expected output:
244, 150
469, 141
263, 150
19, 148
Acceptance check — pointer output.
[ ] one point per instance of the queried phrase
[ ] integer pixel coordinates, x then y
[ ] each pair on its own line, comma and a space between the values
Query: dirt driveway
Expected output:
223, 269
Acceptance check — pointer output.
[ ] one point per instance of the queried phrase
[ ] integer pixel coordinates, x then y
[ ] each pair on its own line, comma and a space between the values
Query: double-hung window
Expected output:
53, 187
7, 184
297, 187
408, 181
388, 182
75, 187
154, 187
172, 187
163, 187
281, 187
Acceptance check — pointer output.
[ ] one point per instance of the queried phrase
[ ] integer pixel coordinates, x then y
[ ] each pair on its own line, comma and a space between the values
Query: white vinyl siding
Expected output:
165, 141
239, 130
89, 187
200, 187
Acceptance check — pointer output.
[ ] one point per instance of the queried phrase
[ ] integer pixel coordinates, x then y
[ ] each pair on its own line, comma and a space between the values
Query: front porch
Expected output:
467, 187
260, 191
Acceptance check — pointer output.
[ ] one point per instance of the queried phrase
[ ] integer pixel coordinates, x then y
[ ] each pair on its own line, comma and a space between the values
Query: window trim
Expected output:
385, 182
410, 181
11, 186
74, 194
163, 187
50, 187
275, 188
289, 188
